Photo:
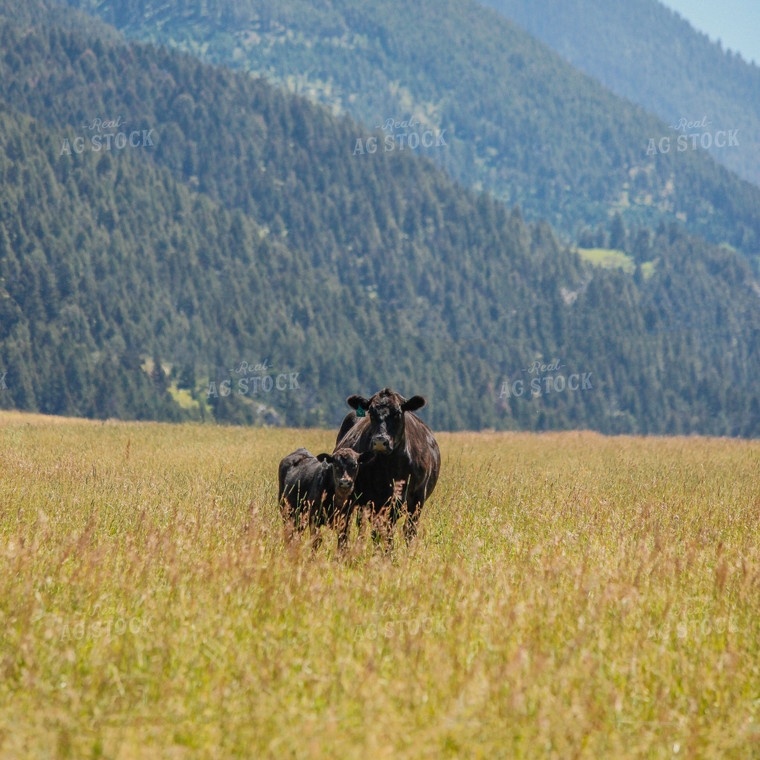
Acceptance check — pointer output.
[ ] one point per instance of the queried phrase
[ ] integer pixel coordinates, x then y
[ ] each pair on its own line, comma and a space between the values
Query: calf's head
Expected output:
345, 465
386, 417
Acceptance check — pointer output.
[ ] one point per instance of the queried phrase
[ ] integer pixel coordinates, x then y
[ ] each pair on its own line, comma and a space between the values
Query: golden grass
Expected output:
569, 595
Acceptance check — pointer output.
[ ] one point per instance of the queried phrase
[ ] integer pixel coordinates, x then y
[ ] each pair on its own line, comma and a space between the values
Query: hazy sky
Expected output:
735, 22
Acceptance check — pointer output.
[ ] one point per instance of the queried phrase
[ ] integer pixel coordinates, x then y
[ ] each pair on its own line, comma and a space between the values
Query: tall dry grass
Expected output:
569, 595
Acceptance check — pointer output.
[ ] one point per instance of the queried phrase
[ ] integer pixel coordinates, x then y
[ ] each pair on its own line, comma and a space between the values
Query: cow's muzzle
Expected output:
382, 445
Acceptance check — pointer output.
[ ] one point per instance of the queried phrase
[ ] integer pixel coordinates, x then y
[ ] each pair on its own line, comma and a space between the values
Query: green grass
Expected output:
614, 259
569, 595
183, 397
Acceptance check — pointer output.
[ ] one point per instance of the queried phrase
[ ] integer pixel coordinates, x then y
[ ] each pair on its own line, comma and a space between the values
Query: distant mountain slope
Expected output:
649, 54
517, 120
105, 260
229, 226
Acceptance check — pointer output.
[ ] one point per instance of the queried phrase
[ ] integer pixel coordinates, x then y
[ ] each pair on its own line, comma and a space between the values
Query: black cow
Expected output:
319, 489
408, 460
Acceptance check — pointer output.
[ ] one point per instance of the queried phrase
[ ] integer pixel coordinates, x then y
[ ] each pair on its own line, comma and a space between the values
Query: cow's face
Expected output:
345, 465
386, 417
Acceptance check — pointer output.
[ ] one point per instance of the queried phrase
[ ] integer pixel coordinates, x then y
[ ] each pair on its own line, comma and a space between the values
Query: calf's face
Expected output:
344, 468
386, 417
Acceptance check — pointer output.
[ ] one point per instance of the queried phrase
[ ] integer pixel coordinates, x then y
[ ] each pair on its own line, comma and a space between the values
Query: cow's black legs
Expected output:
342, 522
410, 526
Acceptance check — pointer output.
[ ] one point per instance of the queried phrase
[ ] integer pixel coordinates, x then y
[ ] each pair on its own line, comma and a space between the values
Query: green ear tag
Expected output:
360, 412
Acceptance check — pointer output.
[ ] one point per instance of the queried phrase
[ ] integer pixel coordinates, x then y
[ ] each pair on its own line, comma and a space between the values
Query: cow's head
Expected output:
345, 464
386, 417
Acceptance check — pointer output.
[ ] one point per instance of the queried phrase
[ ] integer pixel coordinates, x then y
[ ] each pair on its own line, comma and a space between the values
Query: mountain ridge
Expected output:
497, 89
248, 231
648, 53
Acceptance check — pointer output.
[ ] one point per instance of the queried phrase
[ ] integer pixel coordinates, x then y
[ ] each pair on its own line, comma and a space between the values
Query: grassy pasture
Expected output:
569, 595
611, 258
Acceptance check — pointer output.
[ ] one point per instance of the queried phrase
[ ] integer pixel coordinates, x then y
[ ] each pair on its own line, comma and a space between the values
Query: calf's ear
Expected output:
413, 404
358, 402
325, 458
367, 456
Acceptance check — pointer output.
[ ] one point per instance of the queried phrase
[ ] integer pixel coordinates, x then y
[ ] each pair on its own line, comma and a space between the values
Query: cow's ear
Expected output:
367, 456
413, 404
358, 402
325, 458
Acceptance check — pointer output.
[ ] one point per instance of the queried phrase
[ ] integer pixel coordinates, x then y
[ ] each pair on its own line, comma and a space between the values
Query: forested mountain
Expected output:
516, 119
649, 54
231, 227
